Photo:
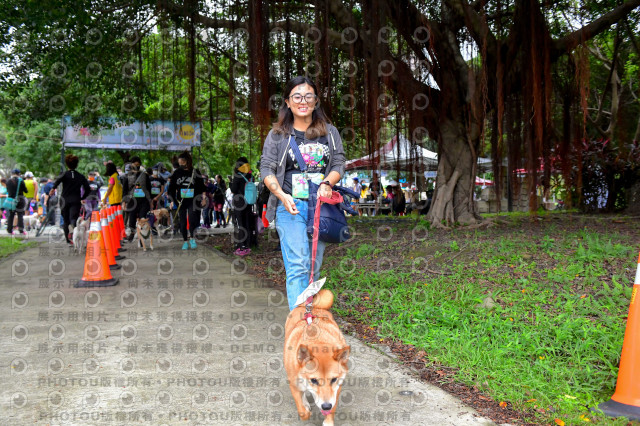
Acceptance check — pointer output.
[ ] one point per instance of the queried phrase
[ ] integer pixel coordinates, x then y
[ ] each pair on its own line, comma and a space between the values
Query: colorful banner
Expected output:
154, 135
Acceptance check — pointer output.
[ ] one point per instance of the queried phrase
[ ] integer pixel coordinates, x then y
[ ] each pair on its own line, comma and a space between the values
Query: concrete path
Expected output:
184, 338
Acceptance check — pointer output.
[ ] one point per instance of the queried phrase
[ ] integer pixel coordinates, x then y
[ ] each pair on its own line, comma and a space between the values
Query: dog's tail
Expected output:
323, 299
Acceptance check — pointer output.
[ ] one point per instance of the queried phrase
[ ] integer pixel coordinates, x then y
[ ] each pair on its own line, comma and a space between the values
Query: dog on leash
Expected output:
143, 232
162, 216
80, 234
30, 222
315, 357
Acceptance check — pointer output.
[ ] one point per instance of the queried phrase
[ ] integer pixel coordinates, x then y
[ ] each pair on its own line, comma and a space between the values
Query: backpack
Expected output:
250, 191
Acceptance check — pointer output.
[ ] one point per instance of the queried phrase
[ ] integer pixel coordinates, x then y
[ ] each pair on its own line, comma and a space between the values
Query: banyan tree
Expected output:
448, 65
460, 75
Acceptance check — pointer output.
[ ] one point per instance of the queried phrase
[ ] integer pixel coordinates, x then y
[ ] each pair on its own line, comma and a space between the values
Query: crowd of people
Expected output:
179, 200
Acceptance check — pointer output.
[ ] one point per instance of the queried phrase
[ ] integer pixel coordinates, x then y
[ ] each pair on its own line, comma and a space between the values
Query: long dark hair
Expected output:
111, 169
319, 119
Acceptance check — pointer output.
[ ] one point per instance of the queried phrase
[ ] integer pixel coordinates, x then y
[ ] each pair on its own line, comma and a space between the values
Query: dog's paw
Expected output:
151, 247
305, 415
327, 422
144, 249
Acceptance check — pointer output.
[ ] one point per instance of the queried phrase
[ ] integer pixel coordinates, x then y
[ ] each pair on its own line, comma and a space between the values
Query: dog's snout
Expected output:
326, 406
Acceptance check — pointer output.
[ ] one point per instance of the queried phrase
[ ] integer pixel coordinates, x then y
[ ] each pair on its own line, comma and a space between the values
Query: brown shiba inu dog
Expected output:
315, 357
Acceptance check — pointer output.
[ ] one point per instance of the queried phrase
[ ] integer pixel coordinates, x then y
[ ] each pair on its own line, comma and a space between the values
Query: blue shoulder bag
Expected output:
332, 226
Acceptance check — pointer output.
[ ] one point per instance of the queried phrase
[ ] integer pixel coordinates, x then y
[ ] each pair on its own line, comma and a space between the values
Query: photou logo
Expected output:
164, 365
19, 300
128, 299
200, 299
55, 366
165, 332
199, 365
165, 298
200, 332
19, 333
18, 366
238, 299
92, 332
19, 268
56, 299
165, 267
200, 267
92, 299
56, 332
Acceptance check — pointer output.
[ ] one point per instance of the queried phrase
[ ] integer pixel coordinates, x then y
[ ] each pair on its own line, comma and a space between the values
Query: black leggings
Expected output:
194, 219
139, 212
70, 213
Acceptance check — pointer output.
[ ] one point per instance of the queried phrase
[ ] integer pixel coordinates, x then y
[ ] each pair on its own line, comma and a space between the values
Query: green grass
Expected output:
552, 342
9, 246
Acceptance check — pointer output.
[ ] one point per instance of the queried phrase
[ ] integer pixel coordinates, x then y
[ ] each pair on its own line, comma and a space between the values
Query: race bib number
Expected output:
138, 193
155, 191
300, 185
186, 192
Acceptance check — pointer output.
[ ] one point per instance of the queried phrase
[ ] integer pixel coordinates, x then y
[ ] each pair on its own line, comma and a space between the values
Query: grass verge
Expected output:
8, 246
531, 312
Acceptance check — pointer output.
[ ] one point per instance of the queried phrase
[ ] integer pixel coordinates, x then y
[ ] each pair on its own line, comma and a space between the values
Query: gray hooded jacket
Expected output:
274, 162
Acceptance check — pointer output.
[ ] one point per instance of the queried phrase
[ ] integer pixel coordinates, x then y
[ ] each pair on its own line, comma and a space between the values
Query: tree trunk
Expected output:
451, 197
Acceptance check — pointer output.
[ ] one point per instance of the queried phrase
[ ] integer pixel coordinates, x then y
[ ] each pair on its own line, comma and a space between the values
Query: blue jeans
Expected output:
296, 247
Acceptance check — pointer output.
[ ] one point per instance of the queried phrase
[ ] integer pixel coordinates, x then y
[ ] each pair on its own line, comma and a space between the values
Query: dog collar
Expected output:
308, 316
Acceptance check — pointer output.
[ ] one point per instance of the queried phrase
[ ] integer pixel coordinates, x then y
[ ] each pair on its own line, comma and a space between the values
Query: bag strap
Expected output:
297, 154
18, 187
243, 177
336, 198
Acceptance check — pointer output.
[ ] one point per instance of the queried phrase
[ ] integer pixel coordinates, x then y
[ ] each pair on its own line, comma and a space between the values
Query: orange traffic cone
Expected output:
115, 242
96, 267
108, 245
626, 399
120, 228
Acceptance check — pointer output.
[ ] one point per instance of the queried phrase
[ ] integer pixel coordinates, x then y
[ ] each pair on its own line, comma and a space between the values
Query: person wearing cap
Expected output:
16, 188
32, 188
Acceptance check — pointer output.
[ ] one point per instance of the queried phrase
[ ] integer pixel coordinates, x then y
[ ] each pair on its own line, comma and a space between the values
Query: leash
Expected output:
336, 198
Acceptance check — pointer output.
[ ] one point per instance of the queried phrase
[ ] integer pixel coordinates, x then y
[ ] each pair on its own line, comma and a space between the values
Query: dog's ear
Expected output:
304, 354
342, 355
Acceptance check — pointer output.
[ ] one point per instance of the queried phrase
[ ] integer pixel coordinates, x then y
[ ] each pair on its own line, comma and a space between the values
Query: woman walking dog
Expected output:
301, 119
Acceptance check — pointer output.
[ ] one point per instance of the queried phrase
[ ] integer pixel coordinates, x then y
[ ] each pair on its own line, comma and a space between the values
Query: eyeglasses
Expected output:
309, 97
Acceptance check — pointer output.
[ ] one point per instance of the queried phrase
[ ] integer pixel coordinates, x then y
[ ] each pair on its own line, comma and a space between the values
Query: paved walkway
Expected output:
184, 338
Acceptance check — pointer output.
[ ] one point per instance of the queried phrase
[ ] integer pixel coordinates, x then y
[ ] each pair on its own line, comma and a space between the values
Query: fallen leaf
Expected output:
503, 404
559, 422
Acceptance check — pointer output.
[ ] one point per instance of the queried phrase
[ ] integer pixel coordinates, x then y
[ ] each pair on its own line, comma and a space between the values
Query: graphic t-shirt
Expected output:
156, 185
94, 190
315, 154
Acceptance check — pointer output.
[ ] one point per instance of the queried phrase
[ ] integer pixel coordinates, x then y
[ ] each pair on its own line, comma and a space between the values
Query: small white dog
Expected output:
31, 222
80, 235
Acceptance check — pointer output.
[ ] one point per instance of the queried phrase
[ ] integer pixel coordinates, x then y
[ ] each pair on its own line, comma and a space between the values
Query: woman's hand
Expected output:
289, 203
324, 190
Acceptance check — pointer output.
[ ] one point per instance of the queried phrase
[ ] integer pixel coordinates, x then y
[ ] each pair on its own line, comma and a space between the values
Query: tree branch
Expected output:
570, 41
179, 10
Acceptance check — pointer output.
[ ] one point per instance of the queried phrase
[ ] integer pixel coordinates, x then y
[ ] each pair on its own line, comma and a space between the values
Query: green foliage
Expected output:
551, 343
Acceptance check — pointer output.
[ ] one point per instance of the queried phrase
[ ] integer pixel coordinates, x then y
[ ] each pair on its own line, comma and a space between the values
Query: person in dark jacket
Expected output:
243, 214
140, 197
186, 191
218, 201
13, 191
399, 202
73, 183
